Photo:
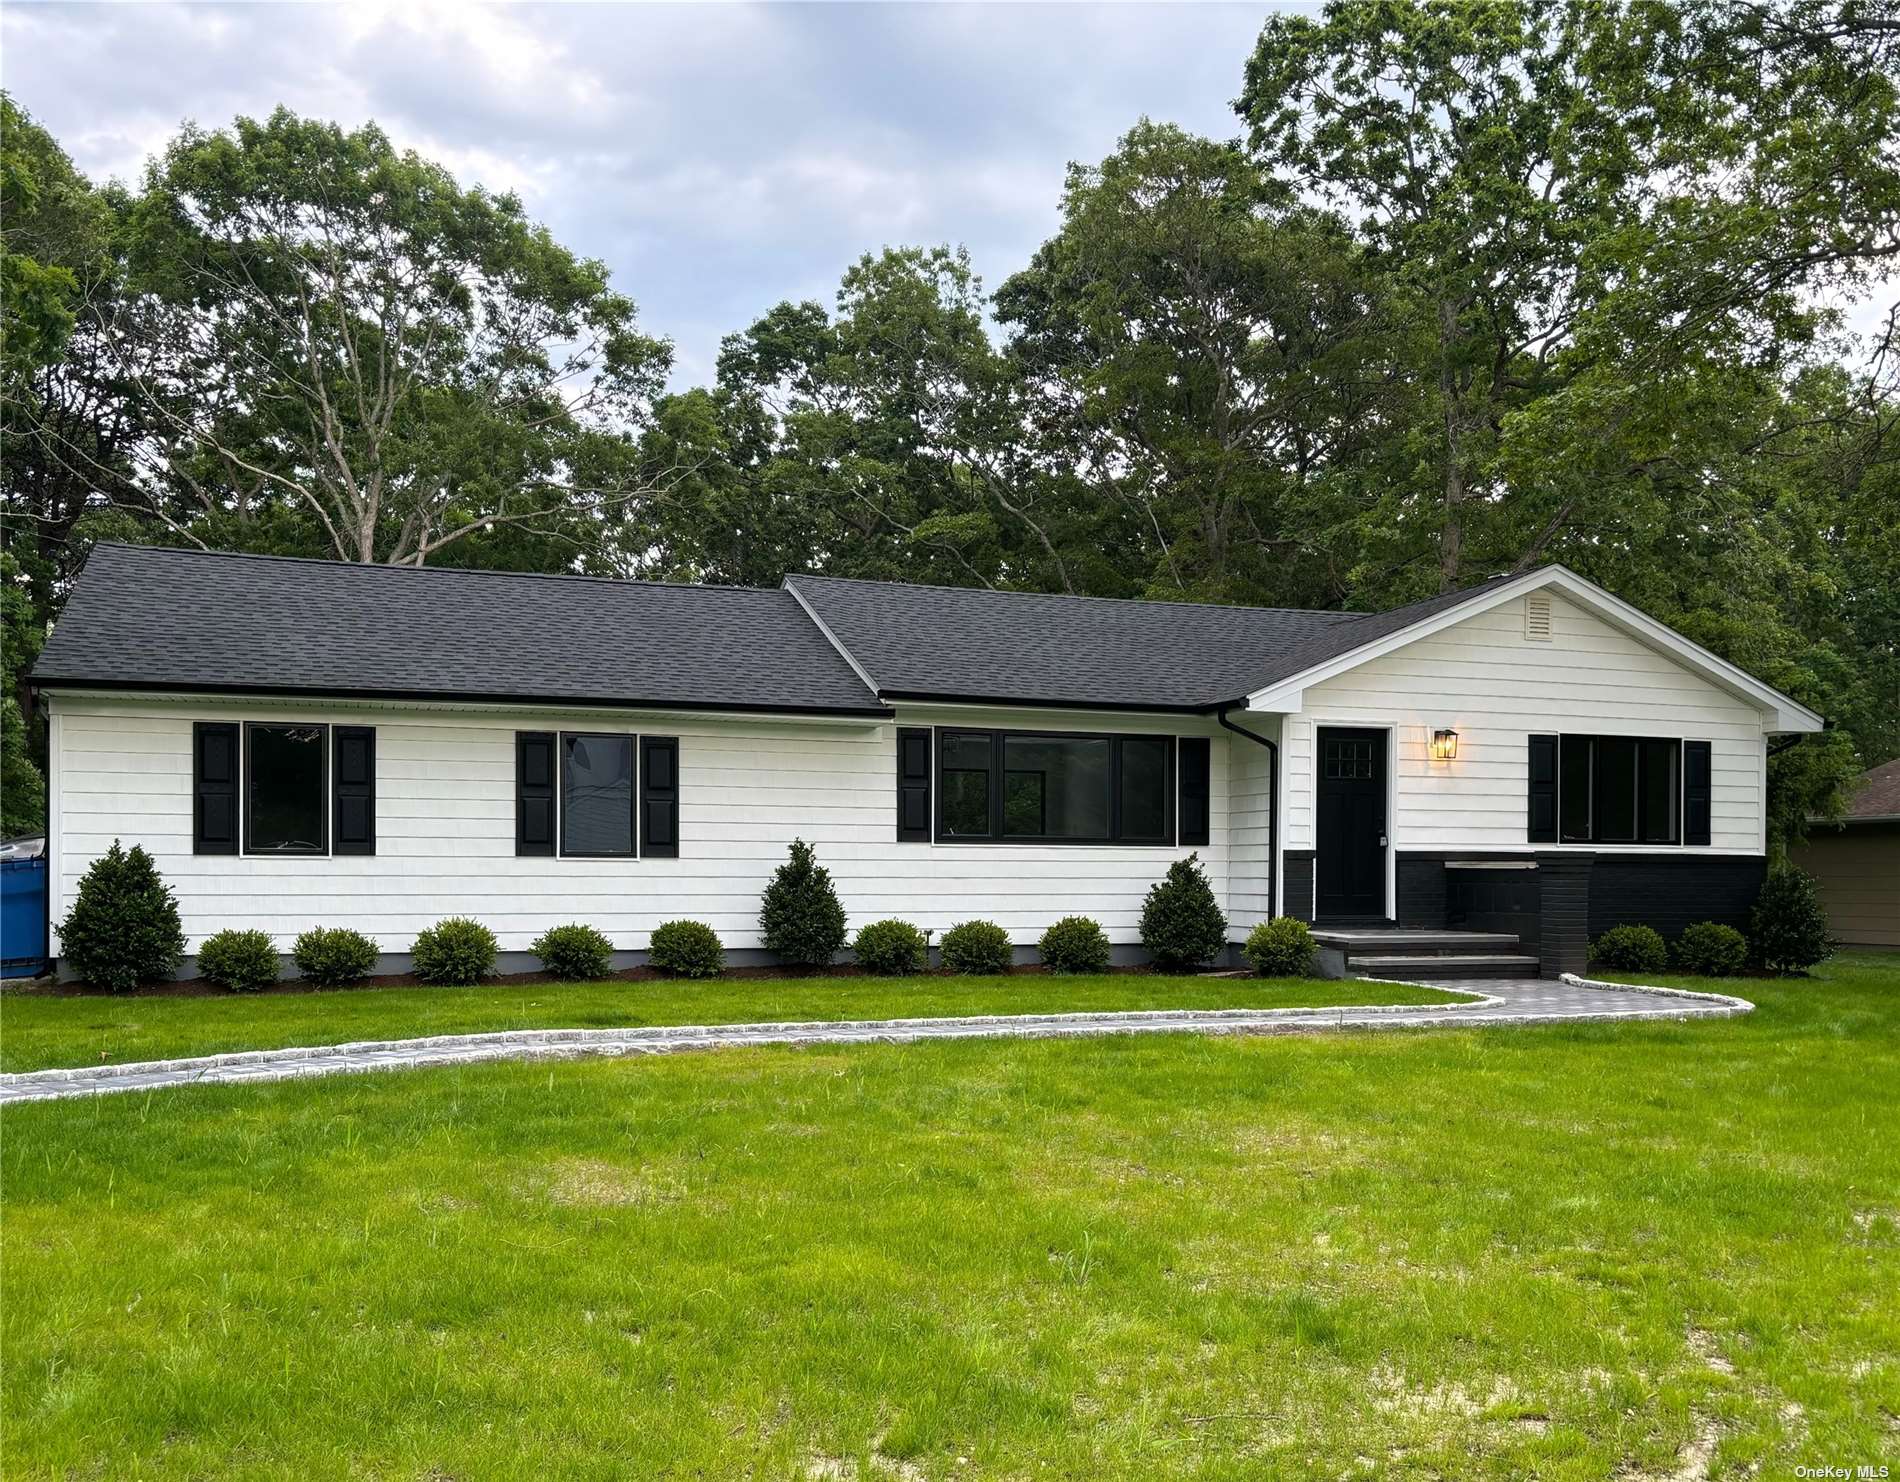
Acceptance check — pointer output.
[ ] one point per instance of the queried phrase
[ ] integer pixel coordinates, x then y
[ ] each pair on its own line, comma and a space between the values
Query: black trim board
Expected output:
1298, 864
558, 702
1019, 702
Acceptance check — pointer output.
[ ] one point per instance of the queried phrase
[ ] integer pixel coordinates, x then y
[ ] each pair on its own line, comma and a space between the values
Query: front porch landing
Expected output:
1418, 954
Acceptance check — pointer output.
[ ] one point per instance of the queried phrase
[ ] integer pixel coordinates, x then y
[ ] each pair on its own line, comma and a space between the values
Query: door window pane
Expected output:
1616, 790
287, 788
597, 795
1055, 787
966, 785
1144, 787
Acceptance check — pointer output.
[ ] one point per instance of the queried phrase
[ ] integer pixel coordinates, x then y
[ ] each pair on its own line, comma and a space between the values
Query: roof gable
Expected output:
1782, 713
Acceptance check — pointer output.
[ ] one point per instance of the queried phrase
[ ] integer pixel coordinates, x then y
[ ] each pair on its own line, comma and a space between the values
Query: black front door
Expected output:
1350, 860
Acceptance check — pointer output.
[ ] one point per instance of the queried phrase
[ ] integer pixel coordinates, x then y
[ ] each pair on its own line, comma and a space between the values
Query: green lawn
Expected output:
39, 1030
1631, 1251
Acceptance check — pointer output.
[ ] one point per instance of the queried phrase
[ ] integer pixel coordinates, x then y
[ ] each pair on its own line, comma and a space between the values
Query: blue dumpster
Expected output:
22, 918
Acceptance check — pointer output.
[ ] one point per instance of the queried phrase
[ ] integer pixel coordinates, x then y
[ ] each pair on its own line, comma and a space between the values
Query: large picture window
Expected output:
597, 814
287, 794
1051, 787
1620, 790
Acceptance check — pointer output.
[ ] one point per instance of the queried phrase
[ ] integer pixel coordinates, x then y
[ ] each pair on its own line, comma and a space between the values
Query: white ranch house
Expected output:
304, 743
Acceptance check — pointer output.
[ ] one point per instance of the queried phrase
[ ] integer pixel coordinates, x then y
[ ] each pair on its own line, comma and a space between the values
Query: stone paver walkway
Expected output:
1498, 1002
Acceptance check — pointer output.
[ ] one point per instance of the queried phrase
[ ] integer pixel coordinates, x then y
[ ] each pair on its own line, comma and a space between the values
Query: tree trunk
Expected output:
1451, 539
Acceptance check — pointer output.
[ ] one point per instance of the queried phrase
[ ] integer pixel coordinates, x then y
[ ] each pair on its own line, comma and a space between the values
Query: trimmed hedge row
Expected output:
124, 929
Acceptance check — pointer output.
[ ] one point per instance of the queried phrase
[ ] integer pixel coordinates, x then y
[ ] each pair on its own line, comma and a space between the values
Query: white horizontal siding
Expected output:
445, 819
1483, 679
1250, 867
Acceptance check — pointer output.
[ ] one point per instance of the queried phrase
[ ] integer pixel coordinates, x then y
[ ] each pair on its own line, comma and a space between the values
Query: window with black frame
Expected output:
597, 797
1051, 787
1620, 790
287, 793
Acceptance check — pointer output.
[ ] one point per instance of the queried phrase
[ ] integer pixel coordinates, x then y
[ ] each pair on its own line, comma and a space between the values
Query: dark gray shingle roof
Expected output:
175, 619
964, 643
155, 618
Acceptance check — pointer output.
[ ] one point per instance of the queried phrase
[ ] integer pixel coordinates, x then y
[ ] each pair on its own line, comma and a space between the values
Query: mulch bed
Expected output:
199, 988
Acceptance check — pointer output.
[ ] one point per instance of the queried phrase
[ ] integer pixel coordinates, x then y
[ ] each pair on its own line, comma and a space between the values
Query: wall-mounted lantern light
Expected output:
1445, 746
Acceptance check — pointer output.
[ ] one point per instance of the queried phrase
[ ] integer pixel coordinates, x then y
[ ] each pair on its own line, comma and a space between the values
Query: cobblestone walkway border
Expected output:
1491, 1003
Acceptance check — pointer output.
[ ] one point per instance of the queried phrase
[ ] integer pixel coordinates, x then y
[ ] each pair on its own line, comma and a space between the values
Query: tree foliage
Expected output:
1480, 286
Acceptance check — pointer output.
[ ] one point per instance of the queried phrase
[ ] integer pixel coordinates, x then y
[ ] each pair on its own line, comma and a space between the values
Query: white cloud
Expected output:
719, 158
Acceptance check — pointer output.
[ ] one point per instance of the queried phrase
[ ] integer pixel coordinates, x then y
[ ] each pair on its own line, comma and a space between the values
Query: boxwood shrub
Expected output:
123, 927
977, 947
892, 948
1075, 944
243, 961
686, 949
800, 916
1280, 948
333, 956
575, 953
1788, 928
455, 952
1631, 949
1182, 925
1711, 950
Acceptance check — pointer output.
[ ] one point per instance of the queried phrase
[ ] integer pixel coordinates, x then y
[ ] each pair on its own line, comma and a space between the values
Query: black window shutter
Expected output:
1196, 764
1543, 791
913, 784
214, 811
534, 792
660, 796
1698, 789
353, 776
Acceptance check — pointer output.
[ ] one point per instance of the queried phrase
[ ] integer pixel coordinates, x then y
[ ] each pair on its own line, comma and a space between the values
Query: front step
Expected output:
1420, 953
1442, 965
1416, 942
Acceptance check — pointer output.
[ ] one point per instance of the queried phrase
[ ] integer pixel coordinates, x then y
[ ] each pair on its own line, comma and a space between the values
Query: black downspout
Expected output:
1273, 808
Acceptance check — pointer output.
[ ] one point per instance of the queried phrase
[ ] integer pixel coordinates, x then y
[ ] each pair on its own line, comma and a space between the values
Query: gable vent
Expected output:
1537, 617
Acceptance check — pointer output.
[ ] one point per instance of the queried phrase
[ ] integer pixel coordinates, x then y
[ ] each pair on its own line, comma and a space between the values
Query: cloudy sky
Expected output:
718, 158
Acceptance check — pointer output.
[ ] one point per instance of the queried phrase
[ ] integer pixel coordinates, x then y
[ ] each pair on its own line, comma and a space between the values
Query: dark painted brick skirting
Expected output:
1298, 897
1671, 891
1573, 897
1563, 894
1422, 890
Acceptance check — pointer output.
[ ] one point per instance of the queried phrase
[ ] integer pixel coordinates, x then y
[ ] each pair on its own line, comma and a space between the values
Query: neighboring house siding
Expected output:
1858, 871
1484, 679
445, 828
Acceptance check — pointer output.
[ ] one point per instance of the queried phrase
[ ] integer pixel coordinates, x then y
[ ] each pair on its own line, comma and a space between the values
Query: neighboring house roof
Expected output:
160, 619
1875, 797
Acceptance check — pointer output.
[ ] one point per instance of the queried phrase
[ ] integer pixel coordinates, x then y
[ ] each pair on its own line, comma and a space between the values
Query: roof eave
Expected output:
451, 697
1027, 702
